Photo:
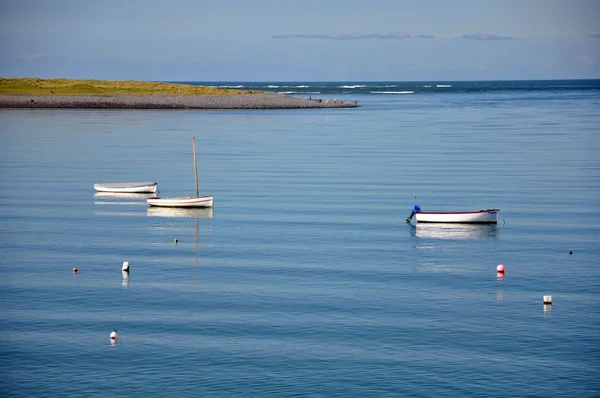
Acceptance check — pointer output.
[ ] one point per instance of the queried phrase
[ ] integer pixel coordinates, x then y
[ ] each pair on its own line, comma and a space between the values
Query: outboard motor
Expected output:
415, 210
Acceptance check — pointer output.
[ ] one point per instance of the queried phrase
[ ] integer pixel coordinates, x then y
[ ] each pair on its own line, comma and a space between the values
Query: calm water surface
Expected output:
304, 280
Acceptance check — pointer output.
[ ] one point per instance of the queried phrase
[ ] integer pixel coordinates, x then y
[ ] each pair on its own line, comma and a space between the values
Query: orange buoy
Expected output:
75, 270
500, 268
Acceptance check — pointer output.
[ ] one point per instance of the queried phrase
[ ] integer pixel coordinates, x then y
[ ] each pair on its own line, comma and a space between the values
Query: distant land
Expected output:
106, 87
131, 94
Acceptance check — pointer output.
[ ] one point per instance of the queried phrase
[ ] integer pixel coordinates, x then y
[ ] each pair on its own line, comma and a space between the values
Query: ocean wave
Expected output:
424, 87
392, 92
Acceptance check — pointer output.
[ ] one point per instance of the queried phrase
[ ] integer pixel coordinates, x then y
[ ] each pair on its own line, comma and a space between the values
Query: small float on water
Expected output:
484, 216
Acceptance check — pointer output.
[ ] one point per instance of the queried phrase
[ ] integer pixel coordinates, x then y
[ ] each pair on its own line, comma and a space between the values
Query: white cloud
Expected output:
485, 37
354, 36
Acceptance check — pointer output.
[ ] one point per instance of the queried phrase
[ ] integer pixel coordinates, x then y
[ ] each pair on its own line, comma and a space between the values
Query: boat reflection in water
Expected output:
121, 195
455, 231
117, 198
179, 212
195, 213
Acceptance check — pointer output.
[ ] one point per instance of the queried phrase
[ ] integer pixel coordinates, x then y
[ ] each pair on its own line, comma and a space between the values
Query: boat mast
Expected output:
195, 165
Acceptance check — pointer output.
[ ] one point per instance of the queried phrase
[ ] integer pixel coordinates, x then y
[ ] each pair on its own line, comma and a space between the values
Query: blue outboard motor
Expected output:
415, 209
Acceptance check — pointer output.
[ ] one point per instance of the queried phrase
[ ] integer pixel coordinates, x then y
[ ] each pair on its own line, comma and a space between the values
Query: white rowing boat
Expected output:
184, 201
126, 187
484, 216
181, 201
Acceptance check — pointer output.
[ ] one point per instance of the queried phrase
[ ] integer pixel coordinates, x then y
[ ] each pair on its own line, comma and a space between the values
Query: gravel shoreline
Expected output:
167, 101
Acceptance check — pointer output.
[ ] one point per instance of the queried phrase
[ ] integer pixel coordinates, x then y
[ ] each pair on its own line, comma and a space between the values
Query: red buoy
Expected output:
500, 268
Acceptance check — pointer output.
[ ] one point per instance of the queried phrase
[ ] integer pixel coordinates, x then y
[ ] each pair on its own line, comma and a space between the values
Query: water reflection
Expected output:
176, 212
113, 198
499, 296
196, 214
455, 231
125, 282
122, 195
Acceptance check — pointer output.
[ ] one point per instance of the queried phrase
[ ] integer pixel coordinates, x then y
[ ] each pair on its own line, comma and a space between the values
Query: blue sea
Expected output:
304, 280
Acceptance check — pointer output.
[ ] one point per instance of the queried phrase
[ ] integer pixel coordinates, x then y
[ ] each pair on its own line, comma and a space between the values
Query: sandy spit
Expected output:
166, 101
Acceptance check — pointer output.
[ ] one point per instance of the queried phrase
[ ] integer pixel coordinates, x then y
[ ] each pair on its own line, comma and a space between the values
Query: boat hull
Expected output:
486, 216
127, 187
182, 201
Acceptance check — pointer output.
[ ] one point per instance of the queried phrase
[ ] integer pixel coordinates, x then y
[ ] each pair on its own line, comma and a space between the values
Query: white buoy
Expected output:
114, 335
125, 266
547, 299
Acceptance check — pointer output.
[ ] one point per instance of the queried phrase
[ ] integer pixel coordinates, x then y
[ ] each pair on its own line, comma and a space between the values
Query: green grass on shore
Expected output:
105, 87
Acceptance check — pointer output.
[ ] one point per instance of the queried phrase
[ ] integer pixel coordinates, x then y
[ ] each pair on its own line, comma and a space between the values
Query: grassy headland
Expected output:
110, 94
105, 87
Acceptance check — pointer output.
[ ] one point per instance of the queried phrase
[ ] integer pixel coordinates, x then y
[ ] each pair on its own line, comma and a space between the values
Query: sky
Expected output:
300, 40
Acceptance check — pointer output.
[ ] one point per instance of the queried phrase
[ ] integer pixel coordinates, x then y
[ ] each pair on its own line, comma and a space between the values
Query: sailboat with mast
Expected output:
184, 201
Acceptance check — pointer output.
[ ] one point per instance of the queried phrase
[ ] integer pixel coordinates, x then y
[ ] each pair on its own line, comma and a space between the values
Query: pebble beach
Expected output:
263, 100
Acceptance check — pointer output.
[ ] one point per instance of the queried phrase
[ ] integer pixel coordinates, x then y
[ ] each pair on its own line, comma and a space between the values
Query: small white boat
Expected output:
485, 216
184, 201
126, 187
